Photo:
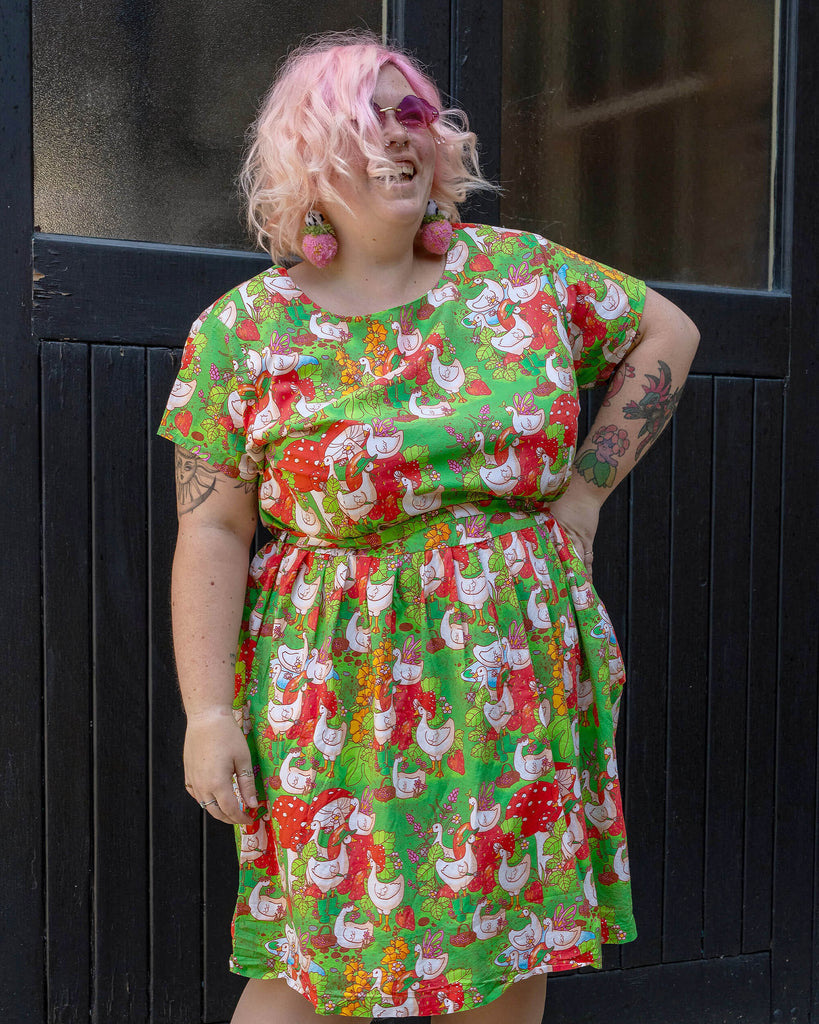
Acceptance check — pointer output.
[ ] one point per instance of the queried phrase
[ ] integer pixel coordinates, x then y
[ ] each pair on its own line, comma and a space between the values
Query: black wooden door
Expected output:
702, 561
118, 896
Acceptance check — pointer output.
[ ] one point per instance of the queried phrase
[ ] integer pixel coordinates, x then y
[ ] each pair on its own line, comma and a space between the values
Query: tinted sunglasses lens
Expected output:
414, 112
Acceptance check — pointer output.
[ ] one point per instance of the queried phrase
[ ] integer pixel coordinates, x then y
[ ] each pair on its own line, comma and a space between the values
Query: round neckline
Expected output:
305, 299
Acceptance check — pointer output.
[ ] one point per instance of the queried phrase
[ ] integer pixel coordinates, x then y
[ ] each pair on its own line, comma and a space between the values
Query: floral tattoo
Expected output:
656, 407
599, 466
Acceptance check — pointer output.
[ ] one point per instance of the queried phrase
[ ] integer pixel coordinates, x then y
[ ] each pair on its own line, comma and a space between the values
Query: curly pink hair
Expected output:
317, 115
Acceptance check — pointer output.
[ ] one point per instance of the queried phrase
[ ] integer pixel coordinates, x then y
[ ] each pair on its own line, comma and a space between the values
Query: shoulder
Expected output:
254, 298
493, 240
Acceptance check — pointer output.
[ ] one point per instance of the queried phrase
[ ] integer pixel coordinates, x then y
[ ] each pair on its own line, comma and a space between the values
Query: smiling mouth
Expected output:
406, 172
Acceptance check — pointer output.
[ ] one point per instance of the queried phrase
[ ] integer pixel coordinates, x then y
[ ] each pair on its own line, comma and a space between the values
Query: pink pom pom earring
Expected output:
318, 240
436, 231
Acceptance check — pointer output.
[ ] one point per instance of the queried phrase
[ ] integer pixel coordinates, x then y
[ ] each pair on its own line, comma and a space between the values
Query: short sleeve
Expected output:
601, 309
207, 408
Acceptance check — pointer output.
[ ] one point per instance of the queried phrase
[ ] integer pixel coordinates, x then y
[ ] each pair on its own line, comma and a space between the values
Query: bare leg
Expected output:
523, 1003
274, 1002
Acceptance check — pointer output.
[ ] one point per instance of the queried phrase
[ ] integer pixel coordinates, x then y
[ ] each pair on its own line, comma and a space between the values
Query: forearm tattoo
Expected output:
656, 407
599, 465
195, 481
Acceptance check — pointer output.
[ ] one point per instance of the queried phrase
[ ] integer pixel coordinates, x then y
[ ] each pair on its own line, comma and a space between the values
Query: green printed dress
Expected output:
426, 677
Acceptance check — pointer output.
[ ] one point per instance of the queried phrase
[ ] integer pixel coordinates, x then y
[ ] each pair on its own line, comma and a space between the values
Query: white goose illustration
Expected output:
416, 504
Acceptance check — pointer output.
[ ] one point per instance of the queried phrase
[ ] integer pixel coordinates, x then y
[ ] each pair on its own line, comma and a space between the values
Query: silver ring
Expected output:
207, 803
245, 772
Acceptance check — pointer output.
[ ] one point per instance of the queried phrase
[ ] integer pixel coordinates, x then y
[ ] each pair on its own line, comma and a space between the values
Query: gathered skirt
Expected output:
432, 731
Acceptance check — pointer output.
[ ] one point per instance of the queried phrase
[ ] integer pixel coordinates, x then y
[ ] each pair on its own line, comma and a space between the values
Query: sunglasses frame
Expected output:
429, 113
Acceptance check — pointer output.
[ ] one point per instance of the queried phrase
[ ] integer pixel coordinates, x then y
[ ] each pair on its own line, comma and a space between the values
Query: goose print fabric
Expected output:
426, 677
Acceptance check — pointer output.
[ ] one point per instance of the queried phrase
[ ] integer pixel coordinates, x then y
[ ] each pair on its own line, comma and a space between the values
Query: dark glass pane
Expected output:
140, 109
640, 132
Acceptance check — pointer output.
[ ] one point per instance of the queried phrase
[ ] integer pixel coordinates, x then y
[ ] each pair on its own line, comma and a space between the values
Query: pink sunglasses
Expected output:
412, 113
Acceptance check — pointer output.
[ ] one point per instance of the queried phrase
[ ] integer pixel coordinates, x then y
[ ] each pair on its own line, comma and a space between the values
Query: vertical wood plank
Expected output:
22, 918
763, 623
67, 679
648, 664
477, 36
221, 988
120, 685
795, 959
175, 826
688, 674
426, 31
728, 666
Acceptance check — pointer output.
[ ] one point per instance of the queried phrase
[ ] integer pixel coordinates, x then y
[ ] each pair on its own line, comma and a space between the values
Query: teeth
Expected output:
406, 172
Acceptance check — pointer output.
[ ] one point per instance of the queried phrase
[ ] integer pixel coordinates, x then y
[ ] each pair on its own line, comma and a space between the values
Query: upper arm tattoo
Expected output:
195, 480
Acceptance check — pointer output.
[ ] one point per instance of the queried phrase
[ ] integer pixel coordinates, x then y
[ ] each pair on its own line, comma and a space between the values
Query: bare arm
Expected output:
641, 400
217, 518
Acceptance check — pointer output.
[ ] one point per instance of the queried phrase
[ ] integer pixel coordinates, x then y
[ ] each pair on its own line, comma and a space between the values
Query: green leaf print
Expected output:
386, 839
425, 873
417, 452
506, 246
482, 751
217, 397
351, 764
497, 563
506, 372
459, 976
437, 908
212, 430
512, 826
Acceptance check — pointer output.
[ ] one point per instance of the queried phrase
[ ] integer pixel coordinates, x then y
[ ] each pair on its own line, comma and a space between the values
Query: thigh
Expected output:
523, 1003
274, 1002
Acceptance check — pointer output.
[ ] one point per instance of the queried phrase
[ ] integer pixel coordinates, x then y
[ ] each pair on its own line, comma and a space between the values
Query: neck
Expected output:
371, 271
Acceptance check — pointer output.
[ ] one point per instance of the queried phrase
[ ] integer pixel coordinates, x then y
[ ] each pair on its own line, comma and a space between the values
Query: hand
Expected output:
578, 515
215, 751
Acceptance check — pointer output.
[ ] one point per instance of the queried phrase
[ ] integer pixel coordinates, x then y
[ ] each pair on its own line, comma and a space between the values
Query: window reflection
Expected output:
140, 109
640, 131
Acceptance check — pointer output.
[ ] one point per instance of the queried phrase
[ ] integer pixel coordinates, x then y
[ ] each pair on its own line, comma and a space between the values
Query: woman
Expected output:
415, 733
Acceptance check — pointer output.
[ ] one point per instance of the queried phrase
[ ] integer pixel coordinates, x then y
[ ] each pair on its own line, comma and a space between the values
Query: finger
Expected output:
229, 806
214, 808
247, 785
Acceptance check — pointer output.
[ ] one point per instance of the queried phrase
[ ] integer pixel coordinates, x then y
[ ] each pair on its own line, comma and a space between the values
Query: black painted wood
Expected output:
175, 825
728, 666
67, 679
476, 41
129, 293
795, 973
22, 909
121, 781
734, 990
427, 34
160, 290
761, 893
221, 988
686, 722
647, 663
760, 748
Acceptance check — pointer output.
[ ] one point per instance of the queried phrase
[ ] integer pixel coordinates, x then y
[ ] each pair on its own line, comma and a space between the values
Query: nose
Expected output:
394, 132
